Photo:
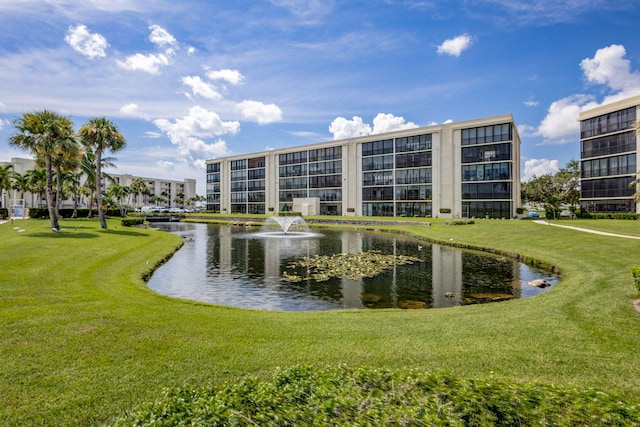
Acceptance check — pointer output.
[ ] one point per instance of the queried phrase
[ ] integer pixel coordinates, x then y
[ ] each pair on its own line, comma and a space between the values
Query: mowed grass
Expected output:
82, 339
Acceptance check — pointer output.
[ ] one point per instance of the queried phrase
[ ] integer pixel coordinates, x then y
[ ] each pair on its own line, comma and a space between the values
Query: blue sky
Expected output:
192, 80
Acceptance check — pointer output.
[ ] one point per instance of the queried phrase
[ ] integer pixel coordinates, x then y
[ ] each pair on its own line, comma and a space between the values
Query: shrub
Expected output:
635, 271
445, 210
68, 212
289, 213
342, 396
129, 222
4, 213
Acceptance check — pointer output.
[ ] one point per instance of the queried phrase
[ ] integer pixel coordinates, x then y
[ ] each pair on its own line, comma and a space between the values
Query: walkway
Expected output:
586, 230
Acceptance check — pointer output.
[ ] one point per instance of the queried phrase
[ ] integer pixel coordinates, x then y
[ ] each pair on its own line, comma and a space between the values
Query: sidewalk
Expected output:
586, 230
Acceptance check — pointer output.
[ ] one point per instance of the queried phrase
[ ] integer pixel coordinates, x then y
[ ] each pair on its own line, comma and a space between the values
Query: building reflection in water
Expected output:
226, 265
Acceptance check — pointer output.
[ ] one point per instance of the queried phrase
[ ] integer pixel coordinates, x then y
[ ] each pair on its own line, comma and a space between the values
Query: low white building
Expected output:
164, 188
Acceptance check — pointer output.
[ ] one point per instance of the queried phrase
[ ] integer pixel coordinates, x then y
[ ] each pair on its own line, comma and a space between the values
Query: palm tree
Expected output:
37, 183
98, 135
44, 133
88, 167
21, 183
139, 186
5, 179
119, 192
64, 162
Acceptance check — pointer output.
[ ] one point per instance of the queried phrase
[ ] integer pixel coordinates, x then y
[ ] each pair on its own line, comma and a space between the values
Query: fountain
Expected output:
285, 226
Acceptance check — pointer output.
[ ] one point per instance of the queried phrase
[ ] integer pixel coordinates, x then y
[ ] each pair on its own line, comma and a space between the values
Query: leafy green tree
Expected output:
44, 133
5, 180
100, 135
88, 167
65, 161
552, 191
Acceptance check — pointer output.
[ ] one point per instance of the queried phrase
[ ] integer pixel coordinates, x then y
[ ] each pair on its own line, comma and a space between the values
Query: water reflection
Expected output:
227, 265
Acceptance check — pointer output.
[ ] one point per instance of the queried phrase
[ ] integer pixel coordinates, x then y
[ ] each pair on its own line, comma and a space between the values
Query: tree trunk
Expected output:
50, 196
103, 221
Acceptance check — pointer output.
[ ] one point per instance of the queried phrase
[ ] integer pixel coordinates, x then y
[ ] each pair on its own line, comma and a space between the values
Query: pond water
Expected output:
231, 265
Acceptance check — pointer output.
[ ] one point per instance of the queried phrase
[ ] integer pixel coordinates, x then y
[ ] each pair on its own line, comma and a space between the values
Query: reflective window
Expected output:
607, 123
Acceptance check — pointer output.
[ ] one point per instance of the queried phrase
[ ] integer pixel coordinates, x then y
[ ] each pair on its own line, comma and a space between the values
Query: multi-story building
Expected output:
608, 149
166, 189
462, 169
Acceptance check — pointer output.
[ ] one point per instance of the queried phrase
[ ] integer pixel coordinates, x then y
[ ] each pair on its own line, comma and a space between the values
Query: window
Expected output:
377, 163
608, 123
377, 193
486, 153
612, 144
412, 160
413, 176
293, 158
377, 147
486, 172
238, 165
413, 143
377, 178
213, 167
487, 134
329, 153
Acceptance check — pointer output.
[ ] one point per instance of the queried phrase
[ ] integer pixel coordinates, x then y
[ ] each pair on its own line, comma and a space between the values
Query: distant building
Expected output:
462, 169
164, 188
608, 157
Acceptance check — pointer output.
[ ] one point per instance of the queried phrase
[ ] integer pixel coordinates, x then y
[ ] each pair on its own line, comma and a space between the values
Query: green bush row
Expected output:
129, 222
460, 222
635, 271
632, 216
4, 213
343, 396
68, 212
289, 213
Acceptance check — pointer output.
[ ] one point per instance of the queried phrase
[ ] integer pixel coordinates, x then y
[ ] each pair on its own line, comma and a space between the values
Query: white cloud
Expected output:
231, 76
259, 112
161, 38
152, 62
538, 167
200, 88
90, 45
188, 133
342, 128
153, 135
383, 123
609, 67
132, 110
149, 63
456, 45
561, 122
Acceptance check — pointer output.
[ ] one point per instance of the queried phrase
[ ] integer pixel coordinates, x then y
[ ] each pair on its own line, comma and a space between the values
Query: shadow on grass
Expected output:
63, 235
123, 232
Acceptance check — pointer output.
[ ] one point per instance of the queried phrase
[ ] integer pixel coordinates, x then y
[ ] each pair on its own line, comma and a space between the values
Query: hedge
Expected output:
635, 271
68, 212
4, 213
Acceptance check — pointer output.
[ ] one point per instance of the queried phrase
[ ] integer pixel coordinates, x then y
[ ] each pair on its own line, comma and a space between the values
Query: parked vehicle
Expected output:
533, 214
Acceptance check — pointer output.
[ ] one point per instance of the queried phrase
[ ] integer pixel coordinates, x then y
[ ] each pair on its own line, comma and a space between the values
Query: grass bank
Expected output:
82, 339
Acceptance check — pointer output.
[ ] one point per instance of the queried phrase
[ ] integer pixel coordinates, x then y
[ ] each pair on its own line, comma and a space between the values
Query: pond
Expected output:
230, 265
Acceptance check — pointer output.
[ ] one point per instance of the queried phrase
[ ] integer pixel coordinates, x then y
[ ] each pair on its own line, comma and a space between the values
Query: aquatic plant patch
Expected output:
344, 266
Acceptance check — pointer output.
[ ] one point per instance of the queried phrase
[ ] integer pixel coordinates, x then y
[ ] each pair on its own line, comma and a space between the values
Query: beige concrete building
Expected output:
165, 188
462, 169
608, 157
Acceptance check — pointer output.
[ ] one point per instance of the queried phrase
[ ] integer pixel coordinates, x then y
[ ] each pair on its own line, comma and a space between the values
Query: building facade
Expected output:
164, 188
462, 169
608, 157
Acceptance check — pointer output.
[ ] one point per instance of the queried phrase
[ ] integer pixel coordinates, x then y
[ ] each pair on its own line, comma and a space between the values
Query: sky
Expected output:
194, 80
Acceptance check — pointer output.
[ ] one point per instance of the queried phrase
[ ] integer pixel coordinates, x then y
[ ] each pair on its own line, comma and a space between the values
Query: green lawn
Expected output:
82, 339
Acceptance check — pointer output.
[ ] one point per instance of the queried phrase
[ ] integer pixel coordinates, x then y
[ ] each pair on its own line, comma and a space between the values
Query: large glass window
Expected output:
611, 144
255, 174
293, 183
238, 164
413, 160
487, 134
238, 185
487, 209
322, 168
413, 176
486, 190
213, 177
256, 185
377, 178
377, 209
377, 147
293, 158
293, 170
213, 167
289, 195
486, 153
325, 181
256, 162
377, 193
486, 172
619, 165
329, 153
413, 143
377, 163
608, 123
239, 175
413, 192
327, 195
603, 188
